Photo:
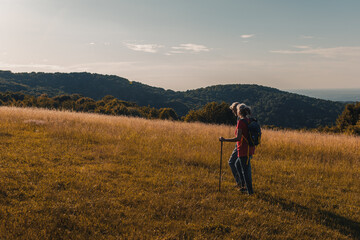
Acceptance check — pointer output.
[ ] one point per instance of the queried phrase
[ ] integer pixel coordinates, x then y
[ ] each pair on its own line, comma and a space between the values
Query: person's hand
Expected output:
221, 139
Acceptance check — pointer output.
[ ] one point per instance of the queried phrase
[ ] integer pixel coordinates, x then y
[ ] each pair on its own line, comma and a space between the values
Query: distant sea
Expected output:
339, 95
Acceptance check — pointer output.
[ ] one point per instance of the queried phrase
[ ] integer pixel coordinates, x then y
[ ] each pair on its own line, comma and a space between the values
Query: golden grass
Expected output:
67, 175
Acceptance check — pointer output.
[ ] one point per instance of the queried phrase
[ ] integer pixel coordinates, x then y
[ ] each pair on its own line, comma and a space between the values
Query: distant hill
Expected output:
271, 106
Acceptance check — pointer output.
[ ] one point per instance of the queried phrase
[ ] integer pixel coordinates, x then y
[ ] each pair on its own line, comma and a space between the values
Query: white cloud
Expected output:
324, 52
182, 48
247, 35
31, 66
174, 52
107, 67
149, 48
190, 47
302, 47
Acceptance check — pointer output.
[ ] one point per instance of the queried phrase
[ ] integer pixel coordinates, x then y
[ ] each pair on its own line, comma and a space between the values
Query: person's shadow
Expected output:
345, 226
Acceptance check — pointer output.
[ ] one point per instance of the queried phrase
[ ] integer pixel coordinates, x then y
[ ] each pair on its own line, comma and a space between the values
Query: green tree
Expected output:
167, 113
349, 120
85, 104
212, 113
44, 101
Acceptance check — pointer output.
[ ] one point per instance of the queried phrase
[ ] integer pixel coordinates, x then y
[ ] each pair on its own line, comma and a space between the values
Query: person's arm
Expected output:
235, 139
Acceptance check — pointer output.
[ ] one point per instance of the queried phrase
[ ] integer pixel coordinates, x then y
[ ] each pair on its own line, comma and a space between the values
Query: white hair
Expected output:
244, 110
234, 105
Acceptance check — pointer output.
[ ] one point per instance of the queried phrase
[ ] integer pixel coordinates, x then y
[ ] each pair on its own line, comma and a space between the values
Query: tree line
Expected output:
107, 105
215, 113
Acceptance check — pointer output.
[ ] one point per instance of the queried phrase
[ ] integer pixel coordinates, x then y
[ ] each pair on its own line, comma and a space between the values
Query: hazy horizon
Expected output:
342, 95
183, 45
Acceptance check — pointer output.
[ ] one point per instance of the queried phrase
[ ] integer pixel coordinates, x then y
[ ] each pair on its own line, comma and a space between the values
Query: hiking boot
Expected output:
243, 189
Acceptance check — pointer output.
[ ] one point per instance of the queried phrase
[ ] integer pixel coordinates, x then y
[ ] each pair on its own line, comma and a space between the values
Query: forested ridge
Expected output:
271, 106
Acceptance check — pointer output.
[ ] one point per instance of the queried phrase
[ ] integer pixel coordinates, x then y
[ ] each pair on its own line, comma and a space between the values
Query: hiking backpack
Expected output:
254, 132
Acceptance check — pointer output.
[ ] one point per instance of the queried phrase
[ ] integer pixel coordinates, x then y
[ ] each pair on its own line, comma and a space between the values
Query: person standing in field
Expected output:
244, 151
234, 155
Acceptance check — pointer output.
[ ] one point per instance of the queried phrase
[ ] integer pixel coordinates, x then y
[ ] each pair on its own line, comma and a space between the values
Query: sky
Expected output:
187, 44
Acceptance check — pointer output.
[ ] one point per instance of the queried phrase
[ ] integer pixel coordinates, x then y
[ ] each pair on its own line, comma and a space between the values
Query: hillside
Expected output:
85, 176
271, 106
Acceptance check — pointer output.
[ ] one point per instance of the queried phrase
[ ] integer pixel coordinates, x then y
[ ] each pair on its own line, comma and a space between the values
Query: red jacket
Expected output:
243, 147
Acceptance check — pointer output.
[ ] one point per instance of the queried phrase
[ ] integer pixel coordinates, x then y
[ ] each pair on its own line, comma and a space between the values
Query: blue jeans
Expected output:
243, 165
237, 174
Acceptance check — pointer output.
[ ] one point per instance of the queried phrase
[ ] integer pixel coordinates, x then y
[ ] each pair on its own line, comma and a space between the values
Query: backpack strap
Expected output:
247, 124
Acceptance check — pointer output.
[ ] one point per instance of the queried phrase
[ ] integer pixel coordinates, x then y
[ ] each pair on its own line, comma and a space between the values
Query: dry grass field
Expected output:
70, 175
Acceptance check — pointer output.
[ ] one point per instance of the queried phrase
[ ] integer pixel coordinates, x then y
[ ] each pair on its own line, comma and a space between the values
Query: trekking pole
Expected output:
220, 165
